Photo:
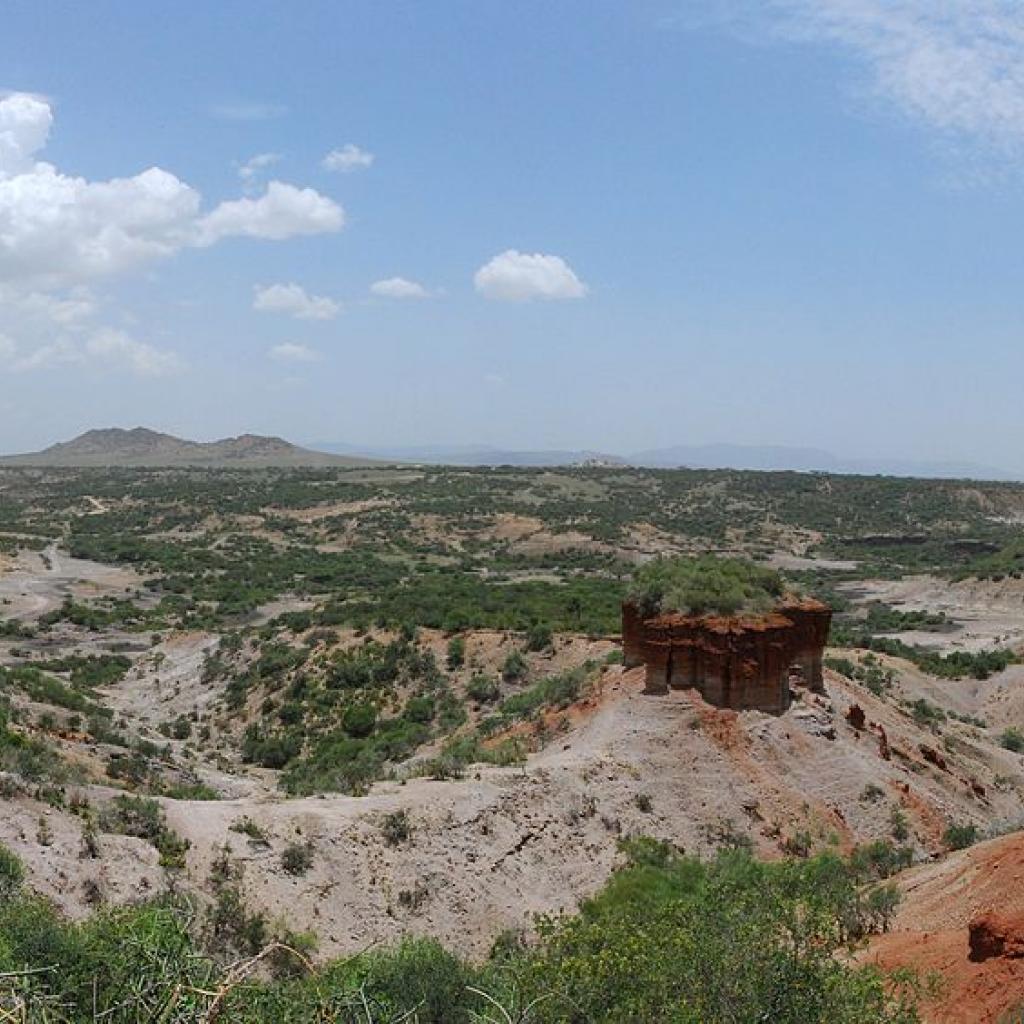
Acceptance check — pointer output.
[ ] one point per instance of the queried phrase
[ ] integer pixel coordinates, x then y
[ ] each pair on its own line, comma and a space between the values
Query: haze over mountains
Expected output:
139, 446
708, 456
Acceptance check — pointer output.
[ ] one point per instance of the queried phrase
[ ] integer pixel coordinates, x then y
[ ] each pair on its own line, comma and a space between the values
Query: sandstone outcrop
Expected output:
741, 662
856, 717
994, 934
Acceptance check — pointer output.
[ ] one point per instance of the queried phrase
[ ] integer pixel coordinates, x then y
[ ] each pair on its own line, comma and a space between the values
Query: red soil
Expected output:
963, 919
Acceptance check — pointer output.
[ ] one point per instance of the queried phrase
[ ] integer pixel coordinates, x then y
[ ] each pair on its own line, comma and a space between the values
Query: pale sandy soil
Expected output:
988, 613
491, 850
38, 582
165, 683
800, 563
331, 510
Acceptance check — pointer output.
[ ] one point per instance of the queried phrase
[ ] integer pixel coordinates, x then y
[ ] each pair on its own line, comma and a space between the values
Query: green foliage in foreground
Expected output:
705, 584
670, 939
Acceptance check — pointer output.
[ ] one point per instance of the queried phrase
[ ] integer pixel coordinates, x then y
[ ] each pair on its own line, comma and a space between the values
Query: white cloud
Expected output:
283, 211
250, 171
399, 288
67, 310
515, 276
120, 351
348, 158
292, 352
57, 231
105, 348
956, 65
61, 233
24, 126
44, 357
294, 300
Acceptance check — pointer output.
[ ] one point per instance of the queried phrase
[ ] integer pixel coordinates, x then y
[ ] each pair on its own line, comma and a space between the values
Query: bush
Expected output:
731, 940
483, 690
697, 586
514, 667
555, 691
420, 709
181, 728
1013, 739
899, 825
12, 873
359, 720
538, 637
959, 837
669, 938
396, 828
143, 818
456, 653
297, 858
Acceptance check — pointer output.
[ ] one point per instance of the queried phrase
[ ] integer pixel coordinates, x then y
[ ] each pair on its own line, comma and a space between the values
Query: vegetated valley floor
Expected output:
389, 700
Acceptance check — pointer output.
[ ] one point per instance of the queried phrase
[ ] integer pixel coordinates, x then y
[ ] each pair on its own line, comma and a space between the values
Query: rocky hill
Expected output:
139, 446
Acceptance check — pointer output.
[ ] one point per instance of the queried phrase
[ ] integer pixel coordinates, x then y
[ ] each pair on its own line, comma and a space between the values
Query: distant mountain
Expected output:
141, 447
707, 456
781, 457
479, 455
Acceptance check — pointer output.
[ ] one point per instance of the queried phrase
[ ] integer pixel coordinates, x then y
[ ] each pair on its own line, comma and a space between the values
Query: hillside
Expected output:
944, 903
140, 447
352, 706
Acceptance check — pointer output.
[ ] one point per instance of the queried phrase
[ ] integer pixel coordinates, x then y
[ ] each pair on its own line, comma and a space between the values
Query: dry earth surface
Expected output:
931, 931
487, 852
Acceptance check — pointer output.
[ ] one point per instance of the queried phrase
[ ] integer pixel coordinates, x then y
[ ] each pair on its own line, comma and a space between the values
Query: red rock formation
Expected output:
855, 716
738, 662
994, 934
883, 744
632, 636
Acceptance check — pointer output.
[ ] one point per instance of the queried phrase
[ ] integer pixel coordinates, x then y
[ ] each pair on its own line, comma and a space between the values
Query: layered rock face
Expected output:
741, 662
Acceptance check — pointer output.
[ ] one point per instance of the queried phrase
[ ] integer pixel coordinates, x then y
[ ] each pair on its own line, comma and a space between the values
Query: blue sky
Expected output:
545, 224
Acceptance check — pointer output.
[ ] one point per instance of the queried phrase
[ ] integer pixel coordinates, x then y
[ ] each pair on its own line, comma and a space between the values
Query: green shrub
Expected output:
297, 858
538, 637
959, 836
1013, 739
669, 938
12, 873
514, 667
359, 720
144, 818
456, 652
706, 584
483, 690
420, 709
396, 828
555, 691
